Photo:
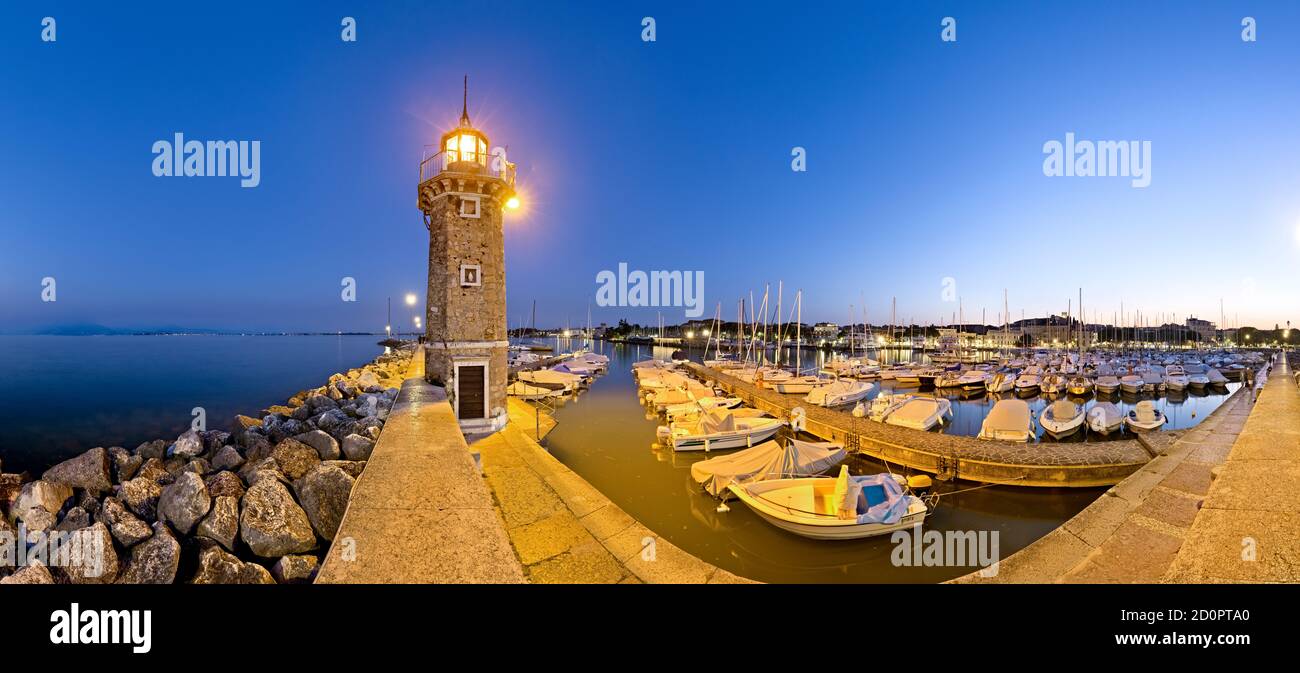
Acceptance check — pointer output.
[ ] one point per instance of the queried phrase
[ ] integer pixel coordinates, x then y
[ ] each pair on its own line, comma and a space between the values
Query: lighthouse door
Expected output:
471, 391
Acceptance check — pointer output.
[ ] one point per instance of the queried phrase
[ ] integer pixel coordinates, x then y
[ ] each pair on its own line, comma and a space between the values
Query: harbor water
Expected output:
608, 437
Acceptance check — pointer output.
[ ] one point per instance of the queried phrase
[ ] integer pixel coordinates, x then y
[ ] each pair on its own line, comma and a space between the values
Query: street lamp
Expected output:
410, 299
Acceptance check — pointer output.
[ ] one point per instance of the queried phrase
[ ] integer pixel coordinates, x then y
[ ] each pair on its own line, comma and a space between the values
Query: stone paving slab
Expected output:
1248, 528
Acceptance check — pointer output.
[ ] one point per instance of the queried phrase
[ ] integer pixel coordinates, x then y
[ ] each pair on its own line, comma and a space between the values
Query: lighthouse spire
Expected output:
464, 106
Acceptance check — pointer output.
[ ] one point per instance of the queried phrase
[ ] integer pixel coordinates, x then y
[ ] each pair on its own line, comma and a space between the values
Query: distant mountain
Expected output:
93, 329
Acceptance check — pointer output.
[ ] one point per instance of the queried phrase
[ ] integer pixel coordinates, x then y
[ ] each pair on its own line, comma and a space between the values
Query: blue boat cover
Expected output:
880, 498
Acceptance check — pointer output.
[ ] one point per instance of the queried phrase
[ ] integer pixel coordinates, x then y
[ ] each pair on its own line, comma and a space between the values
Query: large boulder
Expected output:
46, 495
326, 446
125, 463
356, 447
295, 569
295, 458
253, 471
352, 467
227, 458
214, 439
75, 519
36, 573
125, 526
90, 471
184, 502
323, 493
222, 523
216, 566
140, 495
91, 556
153, 561
155, 470
367, 379
10, 486
272, 524
225, 483
319, 403
154, 449
187, 445
38, 520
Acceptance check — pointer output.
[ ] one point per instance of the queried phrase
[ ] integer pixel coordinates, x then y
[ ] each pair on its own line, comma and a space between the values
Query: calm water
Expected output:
63, 395
606, 436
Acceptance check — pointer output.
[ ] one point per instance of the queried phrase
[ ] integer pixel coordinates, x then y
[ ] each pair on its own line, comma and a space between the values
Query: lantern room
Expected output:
464, 148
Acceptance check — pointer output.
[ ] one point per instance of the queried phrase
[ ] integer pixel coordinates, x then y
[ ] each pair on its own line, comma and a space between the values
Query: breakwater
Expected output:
257, 503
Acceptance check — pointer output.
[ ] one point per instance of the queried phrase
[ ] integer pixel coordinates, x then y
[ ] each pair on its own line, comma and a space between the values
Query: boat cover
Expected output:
1007, 416
768, 460
1145, 412
916, 411
718, 421
870, 498
1064, 410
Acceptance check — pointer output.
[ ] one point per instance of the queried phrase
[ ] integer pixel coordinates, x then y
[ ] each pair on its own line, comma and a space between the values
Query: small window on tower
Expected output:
470, 275
469, 206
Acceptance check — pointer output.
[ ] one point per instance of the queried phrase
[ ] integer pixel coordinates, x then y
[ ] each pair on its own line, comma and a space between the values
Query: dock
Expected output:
1043, 464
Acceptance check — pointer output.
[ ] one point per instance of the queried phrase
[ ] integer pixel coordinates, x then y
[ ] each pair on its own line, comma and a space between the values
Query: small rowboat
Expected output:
834, 508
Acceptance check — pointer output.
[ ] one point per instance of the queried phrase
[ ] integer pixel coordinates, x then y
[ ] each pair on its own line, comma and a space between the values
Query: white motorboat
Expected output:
527, 391
1132, 384
1198, 381
1145, 416
1008, 421
1001, 382
839, 393
721, 429
700, 406
884, 405
549, 378
1152, 381
768, 460
920, 413
1052, 384
834, 508
1062, 419
796, 385
1107, 385
948, 379
1105, 418
974, 379
1175, 378
1028, 381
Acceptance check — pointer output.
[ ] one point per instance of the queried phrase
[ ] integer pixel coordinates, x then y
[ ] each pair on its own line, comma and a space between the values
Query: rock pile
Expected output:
256, 505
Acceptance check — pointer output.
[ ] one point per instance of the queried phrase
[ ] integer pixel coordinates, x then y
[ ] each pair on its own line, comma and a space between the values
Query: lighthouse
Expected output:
464, 191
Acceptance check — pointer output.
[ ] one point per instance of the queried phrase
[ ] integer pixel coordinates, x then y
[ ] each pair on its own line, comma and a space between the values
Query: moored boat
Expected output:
834, 508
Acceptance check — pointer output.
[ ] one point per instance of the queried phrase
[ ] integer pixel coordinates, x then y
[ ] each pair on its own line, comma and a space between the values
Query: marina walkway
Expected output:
420, 512
1184, 516
1248, 529
564, 530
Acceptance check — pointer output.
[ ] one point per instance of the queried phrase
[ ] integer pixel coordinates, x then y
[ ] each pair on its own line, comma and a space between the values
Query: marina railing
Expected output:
492, 165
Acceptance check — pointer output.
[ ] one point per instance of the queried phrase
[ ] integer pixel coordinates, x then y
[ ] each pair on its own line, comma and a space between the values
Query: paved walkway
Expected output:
1248, 529
420, 512
1158, 525
565, 531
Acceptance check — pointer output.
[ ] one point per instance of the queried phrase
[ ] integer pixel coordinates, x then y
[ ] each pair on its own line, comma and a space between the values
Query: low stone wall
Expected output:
256, 504
1045, 464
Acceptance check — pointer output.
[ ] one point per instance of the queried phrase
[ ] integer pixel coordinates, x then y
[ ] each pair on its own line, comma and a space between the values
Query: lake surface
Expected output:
63, 395
608, 437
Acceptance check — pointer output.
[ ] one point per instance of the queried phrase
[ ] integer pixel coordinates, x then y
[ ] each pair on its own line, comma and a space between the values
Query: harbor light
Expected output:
706, 332
690, 335
410, 299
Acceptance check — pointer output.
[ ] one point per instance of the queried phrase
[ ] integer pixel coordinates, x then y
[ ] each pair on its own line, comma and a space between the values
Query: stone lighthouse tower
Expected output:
463, 192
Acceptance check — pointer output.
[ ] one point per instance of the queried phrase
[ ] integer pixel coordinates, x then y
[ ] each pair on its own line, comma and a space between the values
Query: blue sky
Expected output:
924, 158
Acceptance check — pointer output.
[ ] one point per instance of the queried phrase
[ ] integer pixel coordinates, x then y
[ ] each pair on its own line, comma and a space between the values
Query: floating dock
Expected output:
1043, 464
